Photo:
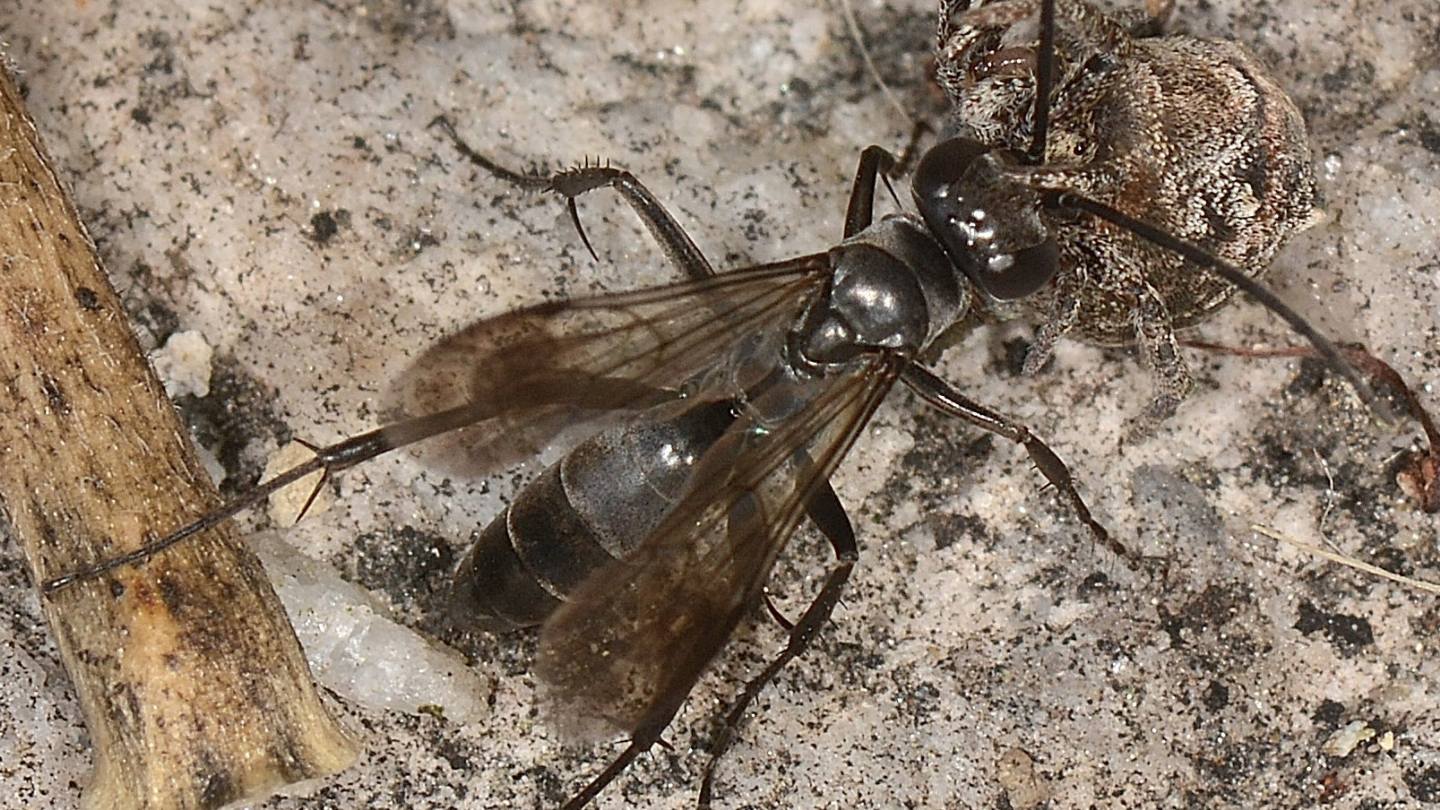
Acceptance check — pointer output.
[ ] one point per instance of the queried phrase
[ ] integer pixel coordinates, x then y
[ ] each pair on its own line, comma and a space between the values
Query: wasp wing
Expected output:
631, 641
520, 378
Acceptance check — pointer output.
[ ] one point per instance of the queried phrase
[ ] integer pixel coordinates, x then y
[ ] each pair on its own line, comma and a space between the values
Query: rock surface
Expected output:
262, 175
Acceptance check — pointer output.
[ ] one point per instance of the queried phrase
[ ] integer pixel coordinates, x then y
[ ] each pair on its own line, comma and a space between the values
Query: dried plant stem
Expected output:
193, 685
1346, 560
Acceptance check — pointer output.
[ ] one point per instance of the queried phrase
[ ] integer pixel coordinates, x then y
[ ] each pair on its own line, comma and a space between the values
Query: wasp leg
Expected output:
674, 242
775, 613
329, 461
875, 161
617, 766
677, 245
824, 510
829, 516
938, 393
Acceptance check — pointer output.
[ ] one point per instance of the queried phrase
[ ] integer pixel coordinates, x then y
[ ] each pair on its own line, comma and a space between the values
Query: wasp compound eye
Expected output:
987, 221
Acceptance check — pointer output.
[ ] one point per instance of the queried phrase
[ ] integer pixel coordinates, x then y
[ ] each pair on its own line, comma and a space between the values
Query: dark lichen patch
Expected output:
458, 754
1218, 606
854, 663
1282, 463
428, 762
1235, 764
409, 566
553, 790
1096, 584
1424, 783
678, 76
1348, 633
801, 106
922, 700
949, 528
512, 655
1427, 624
1016, 350
901, 56
1309, 379
161, 46
1216, 696
1391, 559
1316, 442
414, 241
147, 312
1329, 714
1336, 81
920, 696
943, 451
944, 448
325, 225
164, 79
237, 410
1427, 133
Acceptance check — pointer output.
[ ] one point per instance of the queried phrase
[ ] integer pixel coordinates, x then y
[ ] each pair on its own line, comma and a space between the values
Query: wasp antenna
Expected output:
1232, 274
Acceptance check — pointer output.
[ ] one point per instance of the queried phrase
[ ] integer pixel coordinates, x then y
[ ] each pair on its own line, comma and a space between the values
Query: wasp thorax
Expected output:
874, 302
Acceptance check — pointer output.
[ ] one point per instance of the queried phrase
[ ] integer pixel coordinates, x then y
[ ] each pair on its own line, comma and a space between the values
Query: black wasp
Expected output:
723, 403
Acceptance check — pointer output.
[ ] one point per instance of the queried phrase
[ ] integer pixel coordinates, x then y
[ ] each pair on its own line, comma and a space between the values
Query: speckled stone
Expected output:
262, 175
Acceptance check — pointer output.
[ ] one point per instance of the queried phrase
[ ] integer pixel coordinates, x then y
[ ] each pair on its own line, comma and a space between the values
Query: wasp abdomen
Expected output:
590, 508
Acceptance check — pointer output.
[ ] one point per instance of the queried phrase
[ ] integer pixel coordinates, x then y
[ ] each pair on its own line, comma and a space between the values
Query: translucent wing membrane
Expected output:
627, 647
518, 379
503, 387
